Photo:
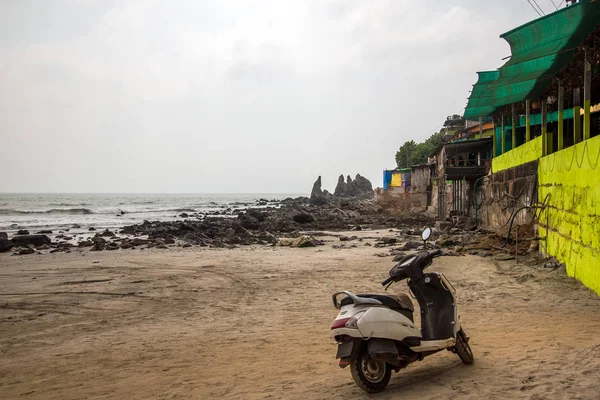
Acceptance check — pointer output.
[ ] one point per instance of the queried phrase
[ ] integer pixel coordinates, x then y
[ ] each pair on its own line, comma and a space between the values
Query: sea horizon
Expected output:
60, 211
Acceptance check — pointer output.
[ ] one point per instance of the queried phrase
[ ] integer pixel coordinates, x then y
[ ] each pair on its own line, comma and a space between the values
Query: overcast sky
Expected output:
215, 96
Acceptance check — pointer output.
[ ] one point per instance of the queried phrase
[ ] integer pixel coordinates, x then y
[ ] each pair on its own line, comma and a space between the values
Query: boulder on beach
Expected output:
5, 245
108, 233
256, 214
303, 218
26, 240
304, 241
22, 232
249, 222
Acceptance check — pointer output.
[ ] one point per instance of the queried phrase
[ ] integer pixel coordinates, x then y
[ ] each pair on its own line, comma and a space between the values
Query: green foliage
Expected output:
411, 153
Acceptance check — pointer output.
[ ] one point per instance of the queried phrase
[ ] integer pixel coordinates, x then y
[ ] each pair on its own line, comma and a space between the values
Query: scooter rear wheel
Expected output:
370, 375
462, 347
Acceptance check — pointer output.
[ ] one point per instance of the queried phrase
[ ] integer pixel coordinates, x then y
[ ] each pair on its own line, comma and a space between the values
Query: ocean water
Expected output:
62, 211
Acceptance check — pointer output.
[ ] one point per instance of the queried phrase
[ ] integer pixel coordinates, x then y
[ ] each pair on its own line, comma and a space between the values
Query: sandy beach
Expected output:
253, 323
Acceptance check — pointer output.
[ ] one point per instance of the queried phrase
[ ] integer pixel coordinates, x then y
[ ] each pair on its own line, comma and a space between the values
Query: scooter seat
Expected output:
400, 302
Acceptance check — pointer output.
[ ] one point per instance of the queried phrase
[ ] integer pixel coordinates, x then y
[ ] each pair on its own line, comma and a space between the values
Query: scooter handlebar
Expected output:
387, 281
436, 253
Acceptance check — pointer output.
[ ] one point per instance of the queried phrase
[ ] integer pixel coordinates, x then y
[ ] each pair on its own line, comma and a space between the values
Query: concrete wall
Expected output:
571, 222
503, 193
398, 199
527, 152
420, 178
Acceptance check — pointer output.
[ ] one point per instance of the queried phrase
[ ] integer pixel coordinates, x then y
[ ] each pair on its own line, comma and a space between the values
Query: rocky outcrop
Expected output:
359, 187
319, 197
26, 240
341, 190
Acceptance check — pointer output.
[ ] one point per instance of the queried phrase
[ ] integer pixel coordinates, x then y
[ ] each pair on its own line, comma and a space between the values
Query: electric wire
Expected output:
535, 9
538, 6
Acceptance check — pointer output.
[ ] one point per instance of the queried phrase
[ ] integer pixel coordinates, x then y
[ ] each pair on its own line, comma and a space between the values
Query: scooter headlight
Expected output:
353, 320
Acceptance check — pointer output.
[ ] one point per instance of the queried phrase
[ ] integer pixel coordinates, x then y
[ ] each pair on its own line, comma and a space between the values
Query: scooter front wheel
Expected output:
462, 347
370, 375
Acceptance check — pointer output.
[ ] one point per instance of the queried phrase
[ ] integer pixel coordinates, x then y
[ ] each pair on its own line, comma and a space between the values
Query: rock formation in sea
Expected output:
359, 187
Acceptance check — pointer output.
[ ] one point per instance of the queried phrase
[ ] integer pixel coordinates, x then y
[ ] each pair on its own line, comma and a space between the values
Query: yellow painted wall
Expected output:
396, 179
526, 152
571, 223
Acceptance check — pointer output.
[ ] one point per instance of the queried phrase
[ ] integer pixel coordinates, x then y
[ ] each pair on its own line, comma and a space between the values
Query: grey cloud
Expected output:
244, 96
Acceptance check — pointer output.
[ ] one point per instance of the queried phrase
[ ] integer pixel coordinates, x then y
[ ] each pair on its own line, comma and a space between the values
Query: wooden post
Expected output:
576, 116
561, 105
587, 97
545, 146
502, 136
480, 129
527, 120
494, 145
514, 126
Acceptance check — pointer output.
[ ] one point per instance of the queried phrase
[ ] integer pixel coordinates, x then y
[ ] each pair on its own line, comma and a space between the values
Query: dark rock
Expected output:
26, 250
44, 232
260, 217
184, 215
344, 238
169, 241
303, 218
85, 243
359, 187
98, 240
112, 246
5, 245
446, 241
22, 232
91, 229
249, 222
186, 245
108, 233
139, 241
357, 228
3, 235
411, 246
317, 196
386, 241
76, 226
26, 240
97, 247
341, 189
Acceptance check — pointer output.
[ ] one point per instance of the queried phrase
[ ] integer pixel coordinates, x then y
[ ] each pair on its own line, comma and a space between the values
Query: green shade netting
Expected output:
539, 50
481, 99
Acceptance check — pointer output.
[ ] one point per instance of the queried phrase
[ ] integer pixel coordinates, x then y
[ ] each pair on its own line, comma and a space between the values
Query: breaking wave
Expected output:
68, 211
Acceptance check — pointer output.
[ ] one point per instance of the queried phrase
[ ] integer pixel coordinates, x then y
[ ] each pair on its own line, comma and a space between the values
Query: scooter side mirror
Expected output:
426, 234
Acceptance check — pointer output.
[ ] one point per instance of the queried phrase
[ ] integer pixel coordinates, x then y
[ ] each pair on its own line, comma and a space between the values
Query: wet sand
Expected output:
253, 323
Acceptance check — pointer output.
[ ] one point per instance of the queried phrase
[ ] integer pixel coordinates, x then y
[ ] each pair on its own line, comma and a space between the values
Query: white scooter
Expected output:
376, 333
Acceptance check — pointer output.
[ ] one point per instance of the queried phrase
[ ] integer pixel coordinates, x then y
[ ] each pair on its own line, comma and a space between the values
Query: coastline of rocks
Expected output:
351, 207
